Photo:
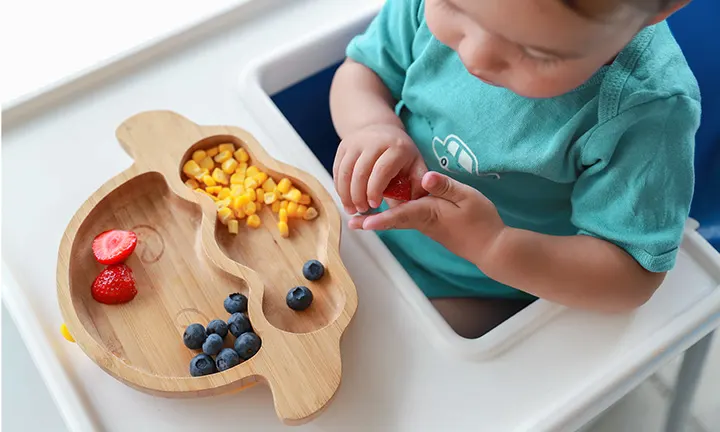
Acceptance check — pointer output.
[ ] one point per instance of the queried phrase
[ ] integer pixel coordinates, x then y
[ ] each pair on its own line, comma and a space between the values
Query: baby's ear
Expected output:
663, 15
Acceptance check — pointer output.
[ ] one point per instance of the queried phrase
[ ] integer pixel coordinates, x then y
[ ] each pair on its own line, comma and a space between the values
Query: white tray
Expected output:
556, 378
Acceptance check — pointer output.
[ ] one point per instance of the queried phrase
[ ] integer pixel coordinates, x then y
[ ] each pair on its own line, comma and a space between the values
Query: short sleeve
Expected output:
386, 45
637, 180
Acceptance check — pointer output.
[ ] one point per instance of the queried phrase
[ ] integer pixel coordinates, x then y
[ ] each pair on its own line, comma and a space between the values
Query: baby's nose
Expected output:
484, 57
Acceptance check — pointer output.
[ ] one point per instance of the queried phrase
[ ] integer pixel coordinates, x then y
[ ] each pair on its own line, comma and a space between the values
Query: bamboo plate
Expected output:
186, 264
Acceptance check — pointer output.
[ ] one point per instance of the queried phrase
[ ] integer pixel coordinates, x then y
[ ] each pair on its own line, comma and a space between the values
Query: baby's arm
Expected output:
358, 98
577, 271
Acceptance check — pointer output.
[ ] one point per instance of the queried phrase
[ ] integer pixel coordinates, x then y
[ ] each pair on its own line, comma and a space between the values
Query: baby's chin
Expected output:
542, 91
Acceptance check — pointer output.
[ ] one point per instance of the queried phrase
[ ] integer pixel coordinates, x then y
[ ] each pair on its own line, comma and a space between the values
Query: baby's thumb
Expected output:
442, 186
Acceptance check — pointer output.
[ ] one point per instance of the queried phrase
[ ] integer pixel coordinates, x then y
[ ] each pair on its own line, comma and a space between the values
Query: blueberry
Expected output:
213, 344
247, 345
299, 298
194, 336
239, 323
235, 303
226, 359
202, 364
218, 327
313, 270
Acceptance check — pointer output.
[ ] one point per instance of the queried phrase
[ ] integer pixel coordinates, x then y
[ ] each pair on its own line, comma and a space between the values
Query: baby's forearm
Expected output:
576, 271
358, 98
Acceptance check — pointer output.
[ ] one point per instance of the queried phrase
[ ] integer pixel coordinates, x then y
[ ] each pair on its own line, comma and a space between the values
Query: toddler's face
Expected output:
535, 48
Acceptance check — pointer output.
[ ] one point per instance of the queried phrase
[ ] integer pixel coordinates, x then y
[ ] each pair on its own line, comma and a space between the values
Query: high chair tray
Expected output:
400, 369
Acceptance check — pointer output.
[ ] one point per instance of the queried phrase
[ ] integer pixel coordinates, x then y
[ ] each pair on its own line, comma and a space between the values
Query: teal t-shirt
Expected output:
611, 159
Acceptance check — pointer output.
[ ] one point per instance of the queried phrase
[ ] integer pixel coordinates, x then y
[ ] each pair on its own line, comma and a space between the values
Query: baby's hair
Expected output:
595, 9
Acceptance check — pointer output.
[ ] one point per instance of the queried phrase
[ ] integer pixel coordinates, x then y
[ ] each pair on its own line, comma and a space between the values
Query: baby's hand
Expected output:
368, 159
456, 215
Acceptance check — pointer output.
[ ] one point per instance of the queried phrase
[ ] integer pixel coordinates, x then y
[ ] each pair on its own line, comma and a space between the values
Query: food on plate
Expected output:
299, 298
114, 246
114, 285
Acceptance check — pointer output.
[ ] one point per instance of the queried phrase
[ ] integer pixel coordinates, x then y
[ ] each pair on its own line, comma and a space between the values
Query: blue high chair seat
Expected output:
693, 28
306, 108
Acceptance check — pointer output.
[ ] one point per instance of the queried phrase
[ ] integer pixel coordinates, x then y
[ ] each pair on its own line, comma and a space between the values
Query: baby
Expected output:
549, 145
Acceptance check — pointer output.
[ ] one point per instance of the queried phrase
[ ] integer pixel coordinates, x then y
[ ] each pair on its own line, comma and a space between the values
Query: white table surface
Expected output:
393, 379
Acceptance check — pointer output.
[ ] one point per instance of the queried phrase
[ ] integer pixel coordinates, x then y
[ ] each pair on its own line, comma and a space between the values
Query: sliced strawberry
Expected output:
114, 285
398, 189
114, 246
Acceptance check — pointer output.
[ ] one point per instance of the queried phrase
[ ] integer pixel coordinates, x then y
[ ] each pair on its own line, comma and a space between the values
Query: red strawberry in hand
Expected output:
114, 246
398, 189
114, 285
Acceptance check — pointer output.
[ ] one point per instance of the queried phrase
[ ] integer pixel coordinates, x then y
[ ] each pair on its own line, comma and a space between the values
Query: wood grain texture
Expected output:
186, 264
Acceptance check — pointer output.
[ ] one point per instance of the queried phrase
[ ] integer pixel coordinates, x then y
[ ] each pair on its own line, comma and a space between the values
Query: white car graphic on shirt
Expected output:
455, 156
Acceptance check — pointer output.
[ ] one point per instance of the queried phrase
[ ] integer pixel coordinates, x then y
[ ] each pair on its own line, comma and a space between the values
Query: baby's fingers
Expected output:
343, 180
361, 174
386, 167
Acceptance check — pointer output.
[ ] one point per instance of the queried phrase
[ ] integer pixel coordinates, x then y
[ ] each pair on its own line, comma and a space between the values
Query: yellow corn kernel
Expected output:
220, 203
300, 212
191, 168
239, 213
269, 185
241, 155
212, 152
283, 228
283, 205
305, 200
251, 194
241, 169
292, 209
201, 175
283, 215
237, 179
284, 185
250, 183
252, 170
276, 206
213, 189
208, 180
261, 177
236, 189
233, 226
220, 176
192, 183
225, 215
259, 194
229, 166
310, 214
226, 147
207, 164
253, 221
243, 199
224, 193
66, 333
250, 208
199, 155
270, 198
222, 156
258, 206
294, 195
